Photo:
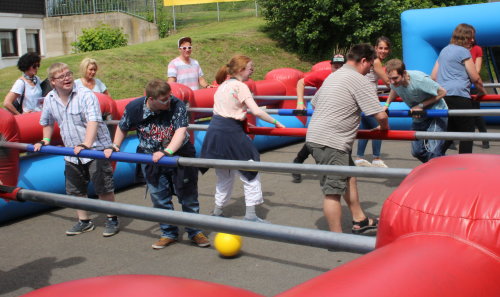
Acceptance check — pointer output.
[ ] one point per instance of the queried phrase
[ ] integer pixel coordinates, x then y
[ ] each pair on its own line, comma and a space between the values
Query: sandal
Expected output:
364, 225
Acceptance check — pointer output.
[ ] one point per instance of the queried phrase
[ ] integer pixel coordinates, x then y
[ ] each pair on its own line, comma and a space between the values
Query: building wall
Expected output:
21, 23
60, 32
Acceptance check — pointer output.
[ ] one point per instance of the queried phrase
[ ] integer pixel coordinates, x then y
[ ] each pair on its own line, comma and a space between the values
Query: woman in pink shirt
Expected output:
226, 138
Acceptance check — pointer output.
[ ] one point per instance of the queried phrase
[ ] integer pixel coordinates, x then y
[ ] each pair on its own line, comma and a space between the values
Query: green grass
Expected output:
126, 70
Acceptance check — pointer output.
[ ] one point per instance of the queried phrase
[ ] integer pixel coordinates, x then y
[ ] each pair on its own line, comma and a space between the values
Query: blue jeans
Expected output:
368, 123
182, 182
426, 149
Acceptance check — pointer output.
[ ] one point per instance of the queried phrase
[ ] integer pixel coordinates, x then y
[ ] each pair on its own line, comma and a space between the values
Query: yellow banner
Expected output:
190, 2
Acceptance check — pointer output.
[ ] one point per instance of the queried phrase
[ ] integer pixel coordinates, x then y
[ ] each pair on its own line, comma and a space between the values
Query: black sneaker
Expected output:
297, 178
111, 228
80, 228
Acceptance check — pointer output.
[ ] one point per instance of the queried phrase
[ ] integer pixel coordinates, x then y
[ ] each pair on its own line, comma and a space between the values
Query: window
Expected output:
33, 41
8, 43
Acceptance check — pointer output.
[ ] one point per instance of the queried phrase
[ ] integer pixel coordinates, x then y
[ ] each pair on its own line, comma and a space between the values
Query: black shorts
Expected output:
78, 176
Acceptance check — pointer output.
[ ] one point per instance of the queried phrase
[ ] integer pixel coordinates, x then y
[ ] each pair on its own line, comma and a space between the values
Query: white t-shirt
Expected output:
33, 99
99, 86
186, 74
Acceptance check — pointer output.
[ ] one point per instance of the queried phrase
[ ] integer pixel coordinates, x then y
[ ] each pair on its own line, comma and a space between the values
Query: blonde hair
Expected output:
237, 64
56, 68
462, 35
84, 65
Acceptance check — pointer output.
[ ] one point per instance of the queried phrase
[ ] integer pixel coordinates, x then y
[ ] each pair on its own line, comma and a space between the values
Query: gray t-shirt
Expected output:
420, 88
337, 108
452, 75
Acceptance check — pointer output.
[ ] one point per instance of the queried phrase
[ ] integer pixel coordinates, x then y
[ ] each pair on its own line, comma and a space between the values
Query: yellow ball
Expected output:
228, 245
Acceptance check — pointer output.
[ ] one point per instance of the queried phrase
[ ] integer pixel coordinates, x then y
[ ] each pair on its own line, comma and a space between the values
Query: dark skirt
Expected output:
226, 140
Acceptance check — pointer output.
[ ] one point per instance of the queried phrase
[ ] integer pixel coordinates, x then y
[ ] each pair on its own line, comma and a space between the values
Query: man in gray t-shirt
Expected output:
337, 112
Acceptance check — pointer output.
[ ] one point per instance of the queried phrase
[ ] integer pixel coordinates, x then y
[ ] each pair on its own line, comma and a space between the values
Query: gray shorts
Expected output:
324, 155
78, 176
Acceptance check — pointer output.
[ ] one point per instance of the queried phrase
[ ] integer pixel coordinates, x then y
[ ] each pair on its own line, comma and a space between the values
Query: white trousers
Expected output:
224, 188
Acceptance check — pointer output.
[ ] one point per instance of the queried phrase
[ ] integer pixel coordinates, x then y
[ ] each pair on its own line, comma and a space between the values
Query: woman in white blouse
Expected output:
26, 93
88, 70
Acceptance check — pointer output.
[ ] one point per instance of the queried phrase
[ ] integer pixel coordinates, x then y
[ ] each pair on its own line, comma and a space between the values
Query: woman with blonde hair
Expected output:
88, 70
226, 138
455, 71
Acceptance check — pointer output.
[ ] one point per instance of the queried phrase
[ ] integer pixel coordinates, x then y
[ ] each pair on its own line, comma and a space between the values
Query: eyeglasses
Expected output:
165, 102
68, 74
36, 66
185, 48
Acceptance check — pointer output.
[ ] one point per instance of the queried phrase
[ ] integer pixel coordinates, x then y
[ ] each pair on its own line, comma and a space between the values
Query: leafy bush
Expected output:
100, 38
314, 28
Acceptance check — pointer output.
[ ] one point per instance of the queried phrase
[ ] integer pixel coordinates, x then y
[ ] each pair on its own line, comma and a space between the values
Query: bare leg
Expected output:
333, 212
108, 197
351, 197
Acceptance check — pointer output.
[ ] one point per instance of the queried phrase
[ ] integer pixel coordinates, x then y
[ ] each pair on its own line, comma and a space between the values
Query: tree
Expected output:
314, 28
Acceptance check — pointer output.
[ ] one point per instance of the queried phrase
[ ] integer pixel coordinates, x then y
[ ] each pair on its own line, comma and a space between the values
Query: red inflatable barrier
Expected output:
9, 159
439, 236
139, 286
323, 65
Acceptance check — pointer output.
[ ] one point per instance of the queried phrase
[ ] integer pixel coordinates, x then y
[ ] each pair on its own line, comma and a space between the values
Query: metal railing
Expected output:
138, 8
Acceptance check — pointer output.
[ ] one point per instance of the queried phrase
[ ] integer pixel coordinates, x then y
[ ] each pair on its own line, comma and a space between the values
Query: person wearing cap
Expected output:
313, 79
184, 69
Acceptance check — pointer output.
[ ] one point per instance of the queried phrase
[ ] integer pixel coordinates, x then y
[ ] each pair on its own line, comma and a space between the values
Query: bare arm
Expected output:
435, 71
390, 98
174, 145
300, 94
261, 114
8, 102
90, 135
171, 80
474, 77
382, 120
117, 142
479, 64
47, 134
203, 83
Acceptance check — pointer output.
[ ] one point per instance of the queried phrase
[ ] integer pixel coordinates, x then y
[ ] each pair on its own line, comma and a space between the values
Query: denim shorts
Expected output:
324, 155
78, 176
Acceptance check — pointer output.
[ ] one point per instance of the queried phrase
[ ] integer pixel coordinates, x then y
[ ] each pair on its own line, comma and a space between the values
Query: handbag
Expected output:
18, 103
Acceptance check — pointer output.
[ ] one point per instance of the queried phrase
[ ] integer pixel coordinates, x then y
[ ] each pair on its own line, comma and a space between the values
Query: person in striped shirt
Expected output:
77, 112
332, 130
184, 69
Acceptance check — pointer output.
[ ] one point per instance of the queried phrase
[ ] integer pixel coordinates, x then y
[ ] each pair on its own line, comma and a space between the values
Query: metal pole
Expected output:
213, 163
154, 12
256, 9
218, 17
287, 234
391, 113
173, 14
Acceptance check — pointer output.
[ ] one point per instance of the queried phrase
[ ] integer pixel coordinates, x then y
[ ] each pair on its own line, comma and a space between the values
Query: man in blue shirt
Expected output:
419, 92
161, 122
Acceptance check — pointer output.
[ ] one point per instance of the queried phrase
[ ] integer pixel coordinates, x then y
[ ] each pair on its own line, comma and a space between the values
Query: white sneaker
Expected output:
379, 163
362, 163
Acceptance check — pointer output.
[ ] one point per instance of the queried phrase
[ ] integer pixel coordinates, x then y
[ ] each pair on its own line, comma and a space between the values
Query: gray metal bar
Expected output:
296, 168
280, 98
287, 234
458, 136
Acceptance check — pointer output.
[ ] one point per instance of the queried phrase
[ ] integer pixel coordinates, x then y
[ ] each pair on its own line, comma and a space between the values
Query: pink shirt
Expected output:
230, 98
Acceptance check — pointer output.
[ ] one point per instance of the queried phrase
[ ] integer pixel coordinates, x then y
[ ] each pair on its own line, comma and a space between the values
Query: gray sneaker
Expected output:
110, 228
80, 228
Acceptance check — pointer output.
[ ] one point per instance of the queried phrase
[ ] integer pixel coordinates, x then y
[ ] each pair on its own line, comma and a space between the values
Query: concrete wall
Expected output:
60, 32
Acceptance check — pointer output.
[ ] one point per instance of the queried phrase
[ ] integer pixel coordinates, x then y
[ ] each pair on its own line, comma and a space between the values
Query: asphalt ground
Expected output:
35, 252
